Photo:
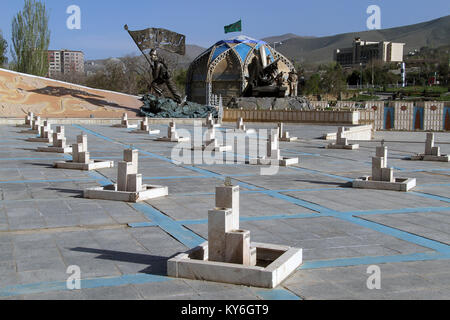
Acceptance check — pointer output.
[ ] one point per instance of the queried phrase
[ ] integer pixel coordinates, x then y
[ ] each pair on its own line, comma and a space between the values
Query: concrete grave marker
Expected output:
284, 135
59, 142
432, 153
172, 135
81, 158
129, 186
342, 142
229, 256
144, 128
383, 177
45, 134
240, 127
124, 123
273, 153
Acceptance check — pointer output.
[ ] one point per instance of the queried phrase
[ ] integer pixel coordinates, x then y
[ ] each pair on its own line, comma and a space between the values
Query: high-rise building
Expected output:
65, 62
363, 52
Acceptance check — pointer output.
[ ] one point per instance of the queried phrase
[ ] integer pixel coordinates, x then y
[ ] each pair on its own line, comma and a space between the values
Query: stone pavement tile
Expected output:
421, 294
127, 292
26, 223
441, 280
169, 290
8, 278
33, 264
45, 275
318, 291
57, 295
7, 266
68, 220
374, 250
405, 282
13, 298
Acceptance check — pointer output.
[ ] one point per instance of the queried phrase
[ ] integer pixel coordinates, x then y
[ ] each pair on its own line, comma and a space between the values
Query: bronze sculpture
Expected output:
150, 39
160, 75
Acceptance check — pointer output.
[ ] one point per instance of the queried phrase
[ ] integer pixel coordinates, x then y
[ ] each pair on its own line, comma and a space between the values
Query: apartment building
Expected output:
65, 62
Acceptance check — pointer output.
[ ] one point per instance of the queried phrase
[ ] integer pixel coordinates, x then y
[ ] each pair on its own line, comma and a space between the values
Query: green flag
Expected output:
235, 27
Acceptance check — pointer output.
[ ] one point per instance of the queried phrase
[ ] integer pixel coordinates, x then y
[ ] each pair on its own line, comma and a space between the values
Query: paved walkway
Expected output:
122, 249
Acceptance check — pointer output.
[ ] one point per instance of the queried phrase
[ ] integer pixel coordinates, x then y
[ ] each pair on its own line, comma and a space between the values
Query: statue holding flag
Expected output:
149, 40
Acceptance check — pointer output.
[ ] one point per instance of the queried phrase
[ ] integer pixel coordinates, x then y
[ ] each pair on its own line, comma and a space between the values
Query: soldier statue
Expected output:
293, 83
160, 75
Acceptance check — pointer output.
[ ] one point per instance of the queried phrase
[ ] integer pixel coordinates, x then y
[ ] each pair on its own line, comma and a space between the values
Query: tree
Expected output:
30, 39
3, 47
334, 80
312, 85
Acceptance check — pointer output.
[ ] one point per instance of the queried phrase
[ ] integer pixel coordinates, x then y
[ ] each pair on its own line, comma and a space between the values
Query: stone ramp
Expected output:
22, 93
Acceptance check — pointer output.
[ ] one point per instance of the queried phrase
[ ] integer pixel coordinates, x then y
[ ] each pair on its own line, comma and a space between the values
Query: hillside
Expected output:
21, 93
434, 33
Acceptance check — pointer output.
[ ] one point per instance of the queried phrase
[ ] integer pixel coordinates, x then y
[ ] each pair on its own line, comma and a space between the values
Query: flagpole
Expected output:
241, 26
148, 60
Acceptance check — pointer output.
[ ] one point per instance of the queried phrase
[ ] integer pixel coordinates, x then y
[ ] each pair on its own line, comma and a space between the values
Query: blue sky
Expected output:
102, 34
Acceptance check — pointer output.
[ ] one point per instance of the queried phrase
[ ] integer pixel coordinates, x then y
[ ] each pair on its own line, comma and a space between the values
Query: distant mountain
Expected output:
271, 40
434, 33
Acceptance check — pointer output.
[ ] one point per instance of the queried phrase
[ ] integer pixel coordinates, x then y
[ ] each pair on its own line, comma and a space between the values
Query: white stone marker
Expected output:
284, 135
228, 256
211, 123
129, 187
59, 142
383, 177
45, 134
172, 135
240, 127
432, 153
124, 123
144, 128
33, 125
211, 142
28, 118
273, 153
81, 158
342, 142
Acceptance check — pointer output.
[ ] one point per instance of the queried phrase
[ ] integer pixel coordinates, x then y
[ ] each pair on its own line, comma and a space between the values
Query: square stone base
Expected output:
343, 146
248, 131
216, 149
400, 184
424, 157
30, 131
55, 149
93, 165
110, 193
43, 140
130, 126
291, 139
181, 139
283, 162
274, 263
146, 132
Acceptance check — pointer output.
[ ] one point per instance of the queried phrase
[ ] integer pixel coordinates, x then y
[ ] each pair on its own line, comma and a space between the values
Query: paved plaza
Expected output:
122, 248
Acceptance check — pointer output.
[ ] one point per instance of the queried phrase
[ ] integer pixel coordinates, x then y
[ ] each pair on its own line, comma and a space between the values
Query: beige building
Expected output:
366, 51
65, 62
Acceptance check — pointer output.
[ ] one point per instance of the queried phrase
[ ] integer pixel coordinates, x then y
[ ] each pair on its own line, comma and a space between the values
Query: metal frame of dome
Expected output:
232, 45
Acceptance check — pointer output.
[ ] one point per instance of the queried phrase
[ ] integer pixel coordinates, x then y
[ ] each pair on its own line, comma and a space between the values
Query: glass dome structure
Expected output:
222, 69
